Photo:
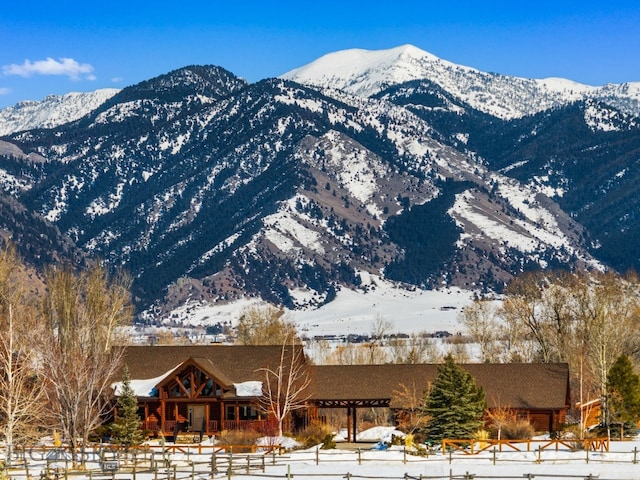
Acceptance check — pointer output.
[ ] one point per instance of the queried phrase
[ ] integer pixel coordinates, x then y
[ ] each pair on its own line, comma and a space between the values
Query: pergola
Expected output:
351, 406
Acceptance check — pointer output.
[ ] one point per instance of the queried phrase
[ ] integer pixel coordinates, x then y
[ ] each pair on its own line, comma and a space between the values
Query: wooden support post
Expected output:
354, 418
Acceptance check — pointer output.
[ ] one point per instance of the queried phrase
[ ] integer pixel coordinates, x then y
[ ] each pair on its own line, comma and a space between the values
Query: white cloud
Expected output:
5, 91
64, 66
117, 79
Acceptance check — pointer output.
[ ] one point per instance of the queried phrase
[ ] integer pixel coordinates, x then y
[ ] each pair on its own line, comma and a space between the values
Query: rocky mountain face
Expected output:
208, 188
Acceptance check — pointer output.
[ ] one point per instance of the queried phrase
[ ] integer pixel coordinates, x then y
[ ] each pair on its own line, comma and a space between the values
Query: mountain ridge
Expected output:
52, 111
367, 72
211, 189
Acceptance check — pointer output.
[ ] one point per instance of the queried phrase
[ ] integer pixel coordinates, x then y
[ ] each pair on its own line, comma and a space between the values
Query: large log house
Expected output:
210, 388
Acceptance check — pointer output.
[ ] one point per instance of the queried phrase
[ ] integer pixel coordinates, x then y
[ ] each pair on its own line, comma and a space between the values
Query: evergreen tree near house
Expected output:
623, 393
454, 404
126, 430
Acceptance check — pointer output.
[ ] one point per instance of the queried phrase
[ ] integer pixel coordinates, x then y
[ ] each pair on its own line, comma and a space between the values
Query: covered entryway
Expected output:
351, 407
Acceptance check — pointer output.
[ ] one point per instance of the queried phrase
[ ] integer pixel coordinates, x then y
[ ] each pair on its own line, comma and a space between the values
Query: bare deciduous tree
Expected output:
479, 318
285, 387
410, 416
379, 330
499, 417
417, 348
608, 312
79, 359
585, 319
21, 392
264, 325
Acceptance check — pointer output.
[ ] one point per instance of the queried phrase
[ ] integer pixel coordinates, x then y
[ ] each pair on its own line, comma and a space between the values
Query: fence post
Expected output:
587, 450
450, 456
494, 455
248, 464
539, 455
318, 456
273, 457
213, 462
289, 472
635, 455
359, 457
26, 462
404, 455
263, 467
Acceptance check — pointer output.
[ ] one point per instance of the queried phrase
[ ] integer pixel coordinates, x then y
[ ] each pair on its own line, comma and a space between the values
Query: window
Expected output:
231, 412
248, 412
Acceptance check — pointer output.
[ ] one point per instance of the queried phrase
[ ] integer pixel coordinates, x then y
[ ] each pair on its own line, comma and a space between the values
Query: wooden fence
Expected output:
472, 447
201, 462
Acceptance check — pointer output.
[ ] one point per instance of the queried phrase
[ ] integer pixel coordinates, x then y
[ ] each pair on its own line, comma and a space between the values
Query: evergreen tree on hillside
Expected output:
454, 404
126, 429
623, 391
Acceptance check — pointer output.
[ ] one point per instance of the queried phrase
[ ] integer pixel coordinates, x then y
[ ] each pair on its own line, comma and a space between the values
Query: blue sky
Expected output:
49, 47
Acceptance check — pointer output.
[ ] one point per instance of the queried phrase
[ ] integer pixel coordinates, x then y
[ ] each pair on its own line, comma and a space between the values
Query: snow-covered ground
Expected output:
391, 463
354, 312
407, 312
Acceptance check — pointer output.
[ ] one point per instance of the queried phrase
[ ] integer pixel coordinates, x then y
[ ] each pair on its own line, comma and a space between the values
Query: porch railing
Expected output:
214, 426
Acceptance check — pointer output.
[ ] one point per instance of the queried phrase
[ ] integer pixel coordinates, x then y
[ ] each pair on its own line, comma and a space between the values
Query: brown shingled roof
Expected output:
232, 363
518, 385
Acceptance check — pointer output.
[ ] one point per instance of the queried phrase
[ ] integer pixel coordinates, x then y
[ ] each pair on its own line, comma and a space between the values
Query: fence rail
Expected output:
472, 446
201, 462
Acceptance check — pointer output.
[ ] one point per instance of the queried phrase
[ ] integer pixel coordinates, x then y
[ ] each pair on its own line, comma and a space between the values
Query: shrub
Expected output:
237, 437
517, 430
317, 433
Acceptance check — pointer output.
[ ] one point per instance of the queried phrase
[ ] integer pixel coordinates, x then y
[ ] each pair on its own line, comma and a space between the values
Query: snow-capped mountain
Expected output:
368, 72
54, 110
208, 188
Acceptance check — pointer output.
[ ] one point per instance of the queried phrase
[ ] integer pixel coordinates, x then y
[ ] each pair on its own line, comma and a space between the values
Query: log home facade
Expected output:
204, 389
210, 388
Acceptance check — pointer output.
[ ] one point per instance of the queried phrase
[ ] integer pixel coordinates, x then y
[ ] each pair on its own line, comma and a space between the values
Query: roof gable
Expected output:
228, 363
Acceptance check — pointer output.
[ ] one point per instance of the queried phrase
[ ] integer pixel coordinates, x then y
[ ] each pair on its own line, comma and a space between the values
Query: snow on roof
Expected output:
251, 388
142, 387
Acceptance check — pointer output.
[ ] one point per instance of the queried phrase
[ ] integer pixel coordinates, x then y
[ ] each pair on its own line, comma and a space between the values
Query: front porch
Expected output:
171, 417
173, 428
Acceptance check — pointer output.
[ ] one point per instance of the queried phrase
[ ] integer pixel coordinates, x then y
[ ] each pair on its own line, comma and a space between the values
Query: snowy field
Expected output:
197, 462
354, 312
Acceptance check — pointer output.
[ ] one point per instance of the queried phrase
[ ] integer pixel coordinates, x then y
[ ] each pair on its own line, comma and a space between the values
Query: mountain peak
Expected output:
208, 80
365, 72
369, 72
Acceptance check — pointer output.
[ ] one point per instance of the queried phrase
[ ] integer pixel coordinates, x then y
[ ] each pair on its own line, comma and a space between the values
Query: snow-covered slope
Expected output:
367, 72
54, 110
